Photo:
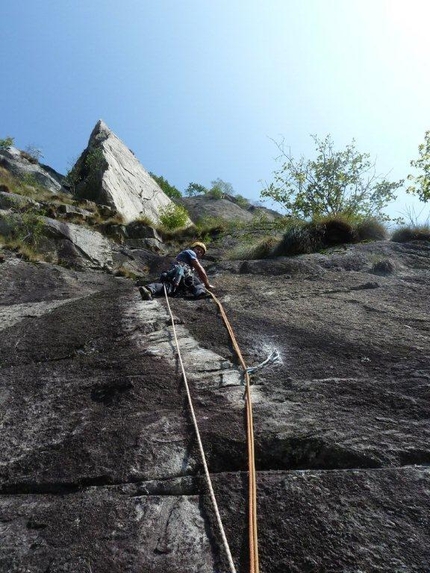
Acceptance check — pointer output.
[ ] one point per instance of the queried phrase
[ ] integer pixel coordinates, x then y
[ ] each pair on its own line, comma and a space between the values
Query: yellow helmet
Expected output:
201, 245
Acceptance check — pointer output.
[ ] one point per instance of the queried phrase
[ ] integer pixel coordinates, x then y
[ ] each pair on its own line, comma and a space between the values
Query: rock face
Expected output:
16, 163
99, 467
117, 178
80, 245
226, 209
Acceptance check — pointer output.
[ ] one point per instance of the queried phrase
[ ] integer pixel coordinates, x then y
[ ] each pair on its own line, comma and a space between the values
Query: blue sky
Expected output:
199, 89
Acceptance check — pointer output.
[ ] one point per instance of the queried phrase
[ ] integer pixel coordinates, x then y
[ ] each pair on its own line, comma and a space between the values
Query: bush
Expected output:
336, 231
421, 182
85, 177
335, 183
213, 226
371, 230
215, 193
6, 143
173, 217
23, 230
301, 237
299, 240
241, 201
416, 233
170, 190
384, 267
194, 189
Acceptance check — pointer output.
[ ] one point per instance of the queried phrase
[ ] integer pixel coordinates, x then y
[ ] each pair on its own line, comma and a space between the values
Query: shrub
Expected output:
84, 178
371, 230
298, 240
194, 189
173, 217
6, 143
33, 227
23, 233
209, 223
170, 190
335, 183
416, 233
241, 201
215, 193
205, 230
301, 237
421, 182
26, 252
125, 272
336, 231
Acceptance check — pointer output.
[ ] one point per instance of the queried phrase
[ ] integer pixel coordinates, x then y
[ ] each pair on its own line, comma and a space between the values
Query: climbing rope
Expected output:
252, 486
202, 452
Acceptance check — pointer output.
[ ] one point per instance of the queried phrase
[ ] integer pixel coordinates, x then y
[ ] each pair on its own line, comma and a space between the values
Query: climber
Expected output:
181, 278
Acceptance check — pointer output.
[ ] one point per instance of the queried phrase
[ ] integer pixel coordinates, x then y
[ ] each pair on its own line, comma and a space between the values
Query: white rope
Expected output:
273, 358
202, 452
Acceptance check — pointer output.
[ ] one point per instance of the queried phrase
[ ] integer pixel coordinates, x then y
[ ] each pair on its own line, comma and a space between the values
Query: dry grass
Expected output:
301, 237
22, 250
411, 233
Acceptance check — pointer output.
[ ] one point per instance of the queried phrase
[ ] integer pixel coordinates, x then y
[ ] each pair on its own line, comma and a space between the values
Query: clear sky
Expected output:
198, 89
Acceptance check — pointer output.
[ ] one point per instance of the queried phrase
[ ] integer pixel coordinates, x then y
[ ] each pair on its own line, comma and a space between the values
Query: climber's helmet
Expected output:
201, 246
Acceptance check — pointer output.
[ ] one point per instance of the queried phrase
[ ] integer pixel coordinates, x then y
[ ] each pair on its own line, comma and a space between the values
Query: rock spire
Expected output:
108, 172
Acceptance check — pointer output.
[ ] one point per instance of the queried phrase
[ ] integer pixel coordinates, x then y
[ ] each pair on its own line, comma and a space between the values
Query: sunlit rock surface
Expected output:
16, 163
99, 465
122, 182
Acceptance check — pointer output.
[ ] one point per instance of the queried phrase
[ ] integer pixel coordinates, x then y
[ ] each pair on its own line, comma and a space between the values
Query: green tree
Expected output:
421, 186
241, 201
170, 190
194, 189
222, 187
7, 142
335, 183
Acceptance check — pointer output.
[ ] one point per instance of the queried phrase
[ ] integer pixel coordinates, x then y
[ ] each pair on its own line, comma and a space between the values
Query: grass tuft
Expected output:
412, 233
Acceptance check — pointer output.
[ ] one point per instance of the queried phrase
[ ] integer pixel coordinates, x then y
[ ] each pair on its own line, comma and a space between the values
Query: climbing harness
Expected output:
177, 274
199, 441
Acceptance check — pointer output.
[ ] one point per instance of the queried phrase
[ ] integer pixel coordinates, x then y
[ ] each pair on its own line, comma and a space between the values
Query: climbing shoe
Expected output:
201, 295
145, 293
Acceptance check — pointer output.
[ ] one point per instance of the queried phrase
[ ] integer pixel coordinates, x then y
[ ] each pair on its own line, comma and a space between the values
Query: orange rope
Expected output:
252, 495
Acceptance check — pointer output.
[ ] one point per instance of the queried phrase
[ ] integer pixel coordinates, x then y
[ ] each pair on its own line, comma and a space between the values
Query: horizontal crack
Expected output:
180, 486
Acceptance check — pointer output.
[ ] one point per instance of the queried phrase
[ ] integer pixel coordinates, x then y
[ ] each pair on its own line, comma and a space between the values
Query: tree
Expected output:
335, 183
421, 187
223, 187
170, 190
7, 142
195, 189
218, 189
